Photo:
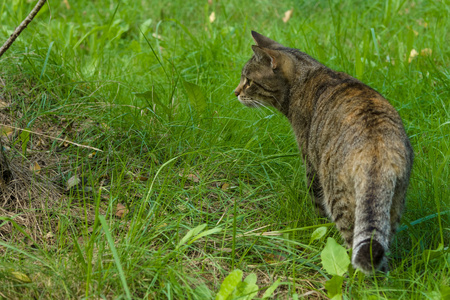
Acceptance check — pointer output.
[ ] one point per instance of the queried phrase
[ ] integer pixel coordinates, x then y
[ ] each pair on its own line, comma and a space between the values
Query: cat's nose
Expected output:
236, 92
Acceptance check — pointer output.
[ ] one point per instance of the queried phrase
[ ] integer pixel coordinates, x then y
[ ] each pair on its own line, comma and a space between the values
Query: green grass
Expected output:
150, 83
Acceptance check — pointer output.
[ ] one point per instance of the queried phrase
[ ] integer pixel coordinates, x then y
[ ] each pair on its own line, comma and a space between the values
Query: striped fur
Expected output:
357, 155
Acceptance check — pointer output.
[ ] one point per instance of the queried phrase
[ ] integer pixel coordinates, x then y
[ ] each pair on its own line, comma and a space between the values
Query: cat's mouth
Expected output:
249, 102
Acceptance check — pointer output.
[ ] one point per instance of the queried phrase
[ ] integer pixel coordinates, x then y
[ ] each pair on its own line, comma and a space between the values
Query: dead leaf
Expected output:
225, 186
66, 2
49, 235
143, 178
21, 276
157, 36
191, 177
210, 2
121, 210
162, 225
422, 23
288, 15
38, 143
87, 189
274, 258
412, 55
3, 104
426, 52
6, 131
92, 155
212, 17
36, 168
73, 181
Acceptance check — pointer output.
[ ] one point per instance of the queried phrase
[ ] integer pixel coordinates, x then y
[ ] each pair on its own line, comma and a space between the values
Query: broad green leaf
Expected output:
95, 29
245, 290
250, 291
318, 233
251, 288
334, 286
146, 25
203, 292
195, 95
334, 257
375, 297
272, 289
445, 292
251, 278
190, 234
207, 232
433, 295
229, 284
433, 254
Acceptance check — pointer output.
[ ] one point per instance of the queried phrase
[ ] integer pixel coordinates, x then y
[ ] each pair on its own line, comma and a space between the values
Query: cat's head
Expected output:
266, 77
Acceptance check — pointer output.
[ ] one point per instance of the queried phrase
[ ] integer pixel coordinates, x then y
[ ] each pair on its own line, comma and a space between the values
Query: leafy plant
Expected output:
335, 261
197, 233
233, 287
196, 96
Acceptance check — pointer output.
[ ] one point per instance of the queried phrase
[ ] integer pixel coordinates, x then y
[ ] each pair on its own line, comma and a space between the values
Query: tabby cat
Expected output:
357, 155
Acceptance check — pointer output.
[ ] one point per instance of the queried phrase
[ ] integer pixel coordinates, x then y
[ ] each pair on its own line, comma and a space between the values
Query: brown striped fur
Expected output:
357, 155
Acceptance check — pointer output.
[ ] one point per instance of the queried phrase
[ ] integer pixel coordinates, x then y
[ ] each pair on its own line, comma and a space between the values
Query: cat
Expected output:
357, 155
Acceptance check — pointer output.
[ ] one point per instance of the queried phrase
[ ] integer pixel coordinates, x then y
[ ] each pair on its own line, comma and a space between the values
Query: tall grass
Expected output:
150, 83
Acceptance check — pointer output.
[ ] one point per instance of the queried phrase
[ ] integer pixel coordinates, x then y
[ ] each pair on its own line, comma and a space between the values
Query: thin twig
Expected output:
54, 138
22, 26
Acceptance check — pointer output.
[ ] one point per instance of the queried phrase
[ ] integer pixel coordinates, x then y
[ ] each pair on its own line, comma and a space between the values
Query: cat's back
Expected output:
349, 117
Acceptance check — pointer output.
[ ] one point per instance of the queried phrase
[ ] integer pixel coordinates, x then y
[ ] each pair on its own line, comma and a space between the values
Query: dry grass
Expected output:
36, 192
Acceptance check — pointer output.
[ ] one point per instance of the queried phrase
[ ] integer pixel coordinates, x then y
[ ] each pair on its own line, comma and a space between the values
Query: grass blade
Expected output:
46, 60
115, 255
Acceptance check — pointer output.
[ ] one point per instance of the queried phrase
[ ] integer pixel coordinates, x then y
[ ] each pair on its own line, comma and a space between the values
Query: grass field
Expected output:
135, 138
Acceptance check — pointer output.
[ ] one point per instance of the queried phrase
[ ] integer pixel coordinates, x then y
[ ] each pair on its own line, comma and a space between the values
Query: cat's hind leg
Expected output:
316, 191
341, 209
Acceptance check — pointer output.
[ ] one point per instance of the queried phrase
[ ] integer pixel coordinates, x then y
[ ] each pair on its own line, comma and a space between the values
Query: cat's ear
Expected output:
267, 55
265, 42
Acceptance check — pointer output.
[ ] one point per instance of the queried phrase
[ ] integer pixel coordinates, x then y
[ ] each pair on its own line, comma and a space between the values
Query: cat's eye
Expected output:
248, 82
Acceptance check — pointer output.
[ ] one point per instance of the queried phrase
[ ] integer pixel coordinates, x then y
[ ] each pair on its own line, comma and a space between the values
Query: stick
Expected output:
22, 26
52, 137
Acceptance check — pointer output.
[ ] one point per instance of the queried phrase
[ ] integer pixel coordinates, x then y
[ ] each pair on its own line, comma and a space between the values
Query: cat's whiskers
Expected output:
279, 103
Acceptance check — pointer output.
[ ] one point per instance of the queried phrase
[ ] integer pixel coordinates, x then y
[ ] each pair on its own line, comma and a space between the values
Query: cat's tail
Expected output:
372, 229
